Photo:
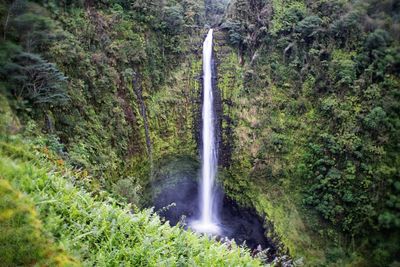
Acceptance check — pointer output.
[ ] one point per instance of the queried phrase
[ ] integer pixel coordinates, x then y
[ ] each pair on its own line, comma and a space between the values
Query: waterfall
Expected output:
208, 221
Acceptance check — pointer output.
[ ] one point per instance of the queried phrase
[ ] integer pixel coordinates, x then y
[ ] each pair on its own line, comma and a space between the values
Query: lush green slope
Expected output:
317, 131
45, 206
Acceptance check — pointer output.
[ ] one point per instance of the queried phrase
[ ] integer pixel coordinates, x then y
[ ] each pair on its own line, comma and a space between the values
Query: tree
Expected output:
34, 79
13, 9
34, 31
235, 30
308, 26
173, 18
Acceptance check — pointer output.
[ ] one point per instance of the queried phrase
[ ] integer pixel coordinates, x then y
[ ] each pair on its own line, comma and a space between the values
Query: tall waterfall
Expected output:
208, 220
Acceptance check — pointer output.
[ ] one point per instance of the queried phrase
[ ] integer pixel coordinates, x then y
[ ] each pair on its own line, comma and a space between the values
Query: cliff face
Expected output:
228, 79
318, 81
128, 80
133, 82
222, 139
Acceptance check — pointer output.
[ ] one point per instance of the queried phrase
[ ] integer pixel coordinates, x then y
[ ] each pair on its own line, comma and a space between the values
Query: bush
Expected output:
379, 39
308, 26
235, 32
376, 119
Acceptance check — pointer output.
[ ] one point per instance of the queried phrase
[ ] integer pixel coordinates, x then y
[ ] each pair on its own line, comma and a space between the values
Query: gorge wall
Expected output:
308, 111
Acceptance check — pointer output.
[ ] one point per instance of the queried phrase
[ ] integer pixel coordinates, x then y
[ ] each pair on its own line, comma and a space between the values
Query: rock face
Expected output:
227, 82
224, 106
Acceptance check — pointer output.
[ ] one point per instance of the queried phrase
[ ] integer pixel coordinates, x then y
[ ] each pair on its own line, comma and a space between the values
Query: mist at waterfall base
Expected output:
177, 182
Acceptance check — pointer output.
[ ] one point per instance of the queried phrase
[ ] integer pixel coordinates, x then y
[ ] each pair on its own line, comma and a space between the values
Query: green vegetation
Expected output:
90, 74
95, 228
320, 125
22, 237
105, 92
78, 81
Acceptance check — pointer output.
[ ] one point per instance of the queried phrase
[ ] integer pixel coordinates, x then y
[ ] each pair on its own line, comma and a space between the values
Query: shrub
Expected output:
379, 39
308, 26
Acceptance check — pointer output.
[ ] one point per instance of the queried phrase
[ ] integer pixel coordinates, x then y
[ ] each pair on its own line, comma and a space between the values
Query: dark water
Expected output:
179, 185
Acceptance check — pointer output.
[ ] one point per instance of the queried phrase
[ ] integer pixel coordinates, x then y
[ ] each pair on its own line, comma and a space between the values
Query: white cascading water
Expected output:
208, 222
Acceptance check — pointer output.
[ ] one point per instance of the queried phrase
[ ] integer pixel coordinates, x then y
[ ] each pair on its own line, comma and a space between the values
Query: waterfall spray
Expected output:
208, 222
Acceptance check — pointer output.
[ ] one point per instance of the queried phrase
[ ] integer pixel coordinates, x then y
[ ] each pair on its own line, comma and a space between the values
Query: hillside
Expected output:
317, 136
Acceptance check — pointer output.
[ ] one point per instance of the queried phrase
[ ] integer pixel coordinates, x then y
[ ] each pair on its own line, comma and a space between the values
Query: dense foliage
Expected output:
325, 78
94, 75
50, 216
103, 90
